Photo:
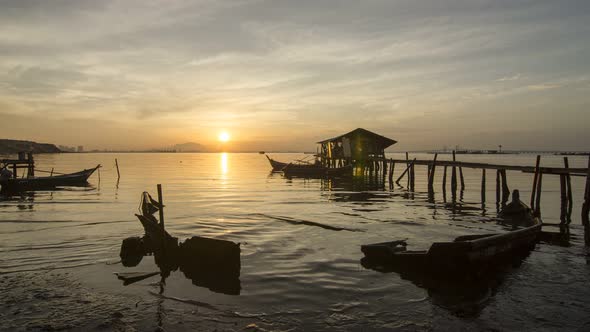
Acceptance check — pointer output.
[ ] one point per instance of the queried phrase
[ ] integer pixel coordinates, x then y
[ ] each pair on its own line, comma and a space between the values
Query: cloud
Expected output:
310, 66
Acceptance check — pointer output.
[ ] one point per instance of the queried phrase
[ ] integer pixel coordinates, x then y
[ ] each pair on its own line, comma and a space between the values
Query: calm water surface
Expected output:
299, 274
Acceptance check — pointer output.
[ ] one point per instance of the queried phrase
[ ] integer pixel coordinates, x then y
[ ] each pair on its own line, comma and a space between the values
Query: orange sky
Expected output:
282, 75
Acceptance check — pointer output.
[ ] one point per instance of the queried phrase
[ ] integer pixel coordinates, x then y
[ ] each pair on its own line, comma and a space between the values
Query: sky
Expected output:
281, 75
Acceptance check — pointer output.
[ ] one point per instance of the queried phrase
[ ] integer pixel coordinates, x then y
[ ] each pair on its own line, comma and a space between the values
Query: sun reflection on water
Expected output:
224, 163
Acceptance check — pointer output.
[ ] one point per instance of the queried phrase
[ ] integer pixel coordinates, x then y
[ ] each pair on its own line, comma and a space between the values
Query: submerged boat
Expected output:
464, 253
47, 182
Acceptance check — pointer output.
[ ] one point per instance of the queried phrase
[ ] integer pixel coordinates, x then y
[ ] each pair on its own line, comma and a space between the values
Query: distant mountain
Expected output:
10, 146
189, 147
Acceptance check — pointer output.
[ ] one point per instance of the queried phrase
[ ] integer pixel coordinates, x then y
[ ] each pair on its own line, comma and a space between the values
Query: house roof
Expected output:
384, 141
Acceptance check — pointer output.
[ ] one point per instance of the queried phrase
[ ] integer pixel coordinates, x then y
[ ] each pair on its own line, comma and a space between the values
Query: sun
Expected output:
223, 136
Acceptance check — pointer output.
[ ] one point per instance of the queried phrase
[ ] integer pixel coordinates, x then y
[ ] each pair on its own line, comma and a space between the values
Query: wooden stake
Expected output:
454, 178
408, 163
462, 179
563, 191
538, 199
483, 186
161, 210
505, 189
498, 187
431, 174
444, 181
534, 190
391, 169
118, 173
412, 177
570, 198
586, 206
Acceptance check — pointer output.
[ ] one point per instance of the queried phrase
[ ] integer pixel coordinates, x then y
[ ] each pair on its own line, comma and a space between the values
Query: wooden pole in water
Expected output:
563, 191
118, 173
534, 190
412, 177
431, 174
406, 171
461, 178
444, 180
408, 163
498, 187
538, 198
483, 185
570, 198
161, 210
391, 169
51, 174
586, 206
454, 177
505, 189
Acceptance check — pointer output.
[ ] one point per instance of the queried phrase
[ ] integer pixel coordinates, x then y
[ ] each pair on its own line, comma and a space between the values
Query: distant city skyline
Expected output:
281, 75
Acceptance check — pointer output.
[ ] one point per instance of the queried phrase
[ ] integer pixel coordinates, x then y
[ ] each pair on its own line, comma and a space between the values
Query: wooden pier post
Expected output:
444, 180
534, 190
461, 178
408, 164
483, 186
505, 189
563, 191
161, 210
118, 173
570, 198
391, 169
498, 187
586, 206
412, 177
454, 178
538, 198
431, 175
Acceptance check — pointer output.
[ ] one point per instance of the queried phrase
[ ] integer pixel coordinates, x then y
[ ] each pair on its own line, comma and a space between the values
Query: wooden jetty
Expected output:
502, 189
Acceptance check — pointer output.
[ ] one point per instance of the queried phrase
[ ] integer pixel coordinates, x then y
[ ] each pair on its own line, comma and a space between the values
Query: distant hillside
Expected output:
10, 146
189, 147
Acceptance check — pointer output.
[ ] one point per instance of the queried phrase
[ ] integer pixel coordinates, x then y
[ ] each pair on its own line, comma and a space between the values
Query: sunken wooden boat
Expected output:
48, 182
464, 253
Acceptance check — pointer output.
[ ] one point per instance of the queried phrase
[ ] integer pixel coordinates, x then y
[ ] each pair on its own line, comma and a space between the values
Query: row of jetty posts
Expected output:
384, 167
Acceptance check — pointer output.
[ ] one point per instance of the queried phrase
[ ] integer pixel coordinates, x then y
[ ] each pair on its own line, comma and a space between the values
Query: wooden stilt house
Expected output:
359, 147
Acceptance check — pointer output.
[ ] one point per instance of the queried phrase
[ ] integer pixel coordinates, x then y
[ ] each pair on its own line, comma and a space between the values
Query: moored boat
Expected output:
47, 182
277, 166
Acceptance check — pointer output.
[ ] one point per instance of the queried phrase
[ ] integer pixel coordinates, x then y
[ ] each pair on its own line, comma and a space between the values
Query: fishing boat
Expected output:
47, 182
277, 166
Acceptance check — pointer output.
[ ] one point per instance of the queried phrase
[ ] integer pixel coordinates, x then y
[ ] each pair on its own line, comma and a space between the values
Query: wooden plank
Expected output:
404, 173
526, 169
